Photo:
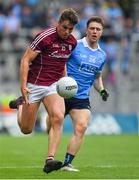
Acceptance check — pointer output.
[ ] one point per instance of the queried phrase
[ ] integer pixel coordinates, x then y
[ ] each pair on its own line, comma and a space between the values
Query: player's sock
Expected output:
68, 159
50, 158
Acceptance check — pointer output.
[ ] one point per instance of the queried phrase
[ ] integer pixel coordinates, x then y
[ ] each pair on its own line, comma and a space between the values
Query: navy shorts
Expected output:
74, 103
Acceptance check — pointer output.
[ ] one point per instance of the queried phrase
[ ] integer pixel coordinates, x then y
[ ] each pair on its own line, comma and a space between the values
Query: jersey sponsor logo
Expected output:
57, 54
88, 68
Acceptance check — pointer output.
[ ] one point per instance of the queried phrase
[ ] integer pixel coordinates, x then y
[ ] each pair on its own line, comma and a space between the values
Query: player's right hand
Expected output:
25, 93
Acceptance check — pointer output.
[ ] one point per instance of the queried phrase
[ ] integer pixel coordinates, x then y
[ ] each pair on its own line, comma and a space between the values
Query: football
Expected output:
67, 87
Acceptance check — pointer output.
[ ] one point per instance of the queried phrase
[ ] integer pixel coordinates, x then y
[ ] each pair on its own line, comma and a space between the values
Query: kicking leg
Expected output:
26, 117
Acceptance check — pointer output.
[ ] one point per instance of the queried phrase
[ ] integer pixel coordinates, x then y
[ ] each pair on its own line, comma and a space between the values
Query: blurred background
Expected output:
20, 20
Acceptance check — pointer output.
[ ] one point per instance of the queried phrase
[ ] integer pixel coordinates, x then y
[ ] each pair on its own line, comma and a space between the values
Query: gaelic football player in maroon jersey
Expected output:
42, 65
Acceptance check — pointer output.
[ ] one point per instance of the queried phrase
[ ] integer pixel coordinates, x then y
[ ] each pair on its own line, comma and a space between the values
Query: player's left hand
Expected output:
104, 94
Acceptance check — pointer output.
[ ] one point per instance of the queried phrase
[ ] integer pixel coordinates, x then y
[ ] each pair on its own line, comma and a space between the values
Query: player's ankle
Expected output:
49, 158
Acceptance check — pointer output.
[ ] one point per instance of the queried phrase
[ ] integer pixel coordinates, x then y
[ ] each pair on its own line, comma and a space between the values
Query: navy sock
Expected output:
68, 158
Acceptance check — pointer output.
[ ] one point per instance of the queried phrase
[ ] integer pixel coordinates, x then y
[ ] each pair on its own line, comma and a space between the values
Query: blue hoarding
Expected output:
107, 123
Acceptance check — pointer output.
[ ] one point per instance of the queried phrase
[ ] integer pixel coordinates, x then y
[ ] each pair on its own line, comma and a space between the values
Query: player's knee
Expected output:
57, 119
80, 129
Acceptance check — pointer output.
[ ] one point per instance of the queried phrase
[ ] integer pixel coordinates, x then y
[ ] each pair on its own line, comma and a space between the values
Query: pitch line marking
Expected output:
37, 167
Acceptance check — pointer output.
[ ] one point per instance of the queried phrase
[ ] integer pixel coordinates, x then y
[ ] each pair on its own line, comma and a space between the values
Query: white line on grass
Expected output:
20, 167
96, 166
115, 166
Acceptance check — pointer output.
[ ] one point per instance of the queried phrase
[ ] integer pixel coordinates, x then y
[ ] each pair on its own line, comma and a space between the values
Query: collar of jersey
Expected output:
86, 45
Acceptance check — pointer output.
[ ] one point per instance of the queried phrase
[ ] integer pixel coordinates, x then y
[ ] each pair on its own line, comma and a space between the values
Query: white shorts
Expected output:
39, 92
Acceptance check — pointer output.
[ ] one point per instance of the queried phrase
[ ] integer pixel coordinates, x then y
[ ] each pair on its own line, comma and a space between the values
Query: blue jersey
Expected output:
83, 65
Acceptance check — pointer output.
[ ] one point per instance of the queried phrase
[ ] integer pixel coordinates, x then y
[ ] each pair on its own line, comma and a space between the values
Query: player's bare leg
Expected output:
55, 108
26, 117
80, 120
48, 124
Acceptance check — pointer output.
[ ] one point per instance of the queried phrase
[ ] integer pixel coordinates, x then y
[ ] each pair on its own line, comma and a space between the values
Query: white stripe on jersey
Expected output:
42, 34
32, 46
41, 37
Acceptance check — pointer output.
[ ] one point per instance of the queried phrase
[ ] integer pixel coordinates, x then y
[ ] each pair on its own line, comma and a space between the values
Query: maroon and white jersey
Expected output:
48, 66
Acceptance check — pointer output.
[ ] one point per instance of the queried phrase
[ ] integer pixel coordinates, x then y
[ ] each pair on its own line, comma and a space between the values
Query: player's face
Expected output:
94, 32
64, 29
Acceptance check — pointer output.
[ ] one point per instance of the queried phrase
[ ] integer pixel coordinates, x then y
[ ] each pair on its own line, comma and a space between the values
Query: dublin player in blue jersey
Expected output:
85, 66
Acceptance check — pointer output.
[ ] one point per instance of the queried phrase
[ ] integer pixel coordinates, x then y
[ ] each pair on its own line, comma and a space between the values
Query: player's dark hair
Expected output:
69, 14
95, 19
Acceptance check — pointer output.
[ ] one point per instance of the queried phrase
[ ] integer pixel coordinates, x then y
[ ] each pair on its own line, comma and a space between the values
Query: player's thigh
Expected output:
29, 114
80, 116
55, 105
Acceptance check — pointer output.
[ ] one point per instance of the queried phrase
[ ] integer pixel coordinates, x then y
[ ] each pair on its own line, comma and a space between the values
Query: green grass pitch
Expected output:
100, 157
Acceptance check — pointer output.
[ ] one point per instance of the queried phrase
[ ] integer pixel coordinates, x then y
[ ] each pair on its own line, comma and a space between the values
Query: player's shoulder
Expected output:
46, 32
102, 51
80, 41
72, 39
